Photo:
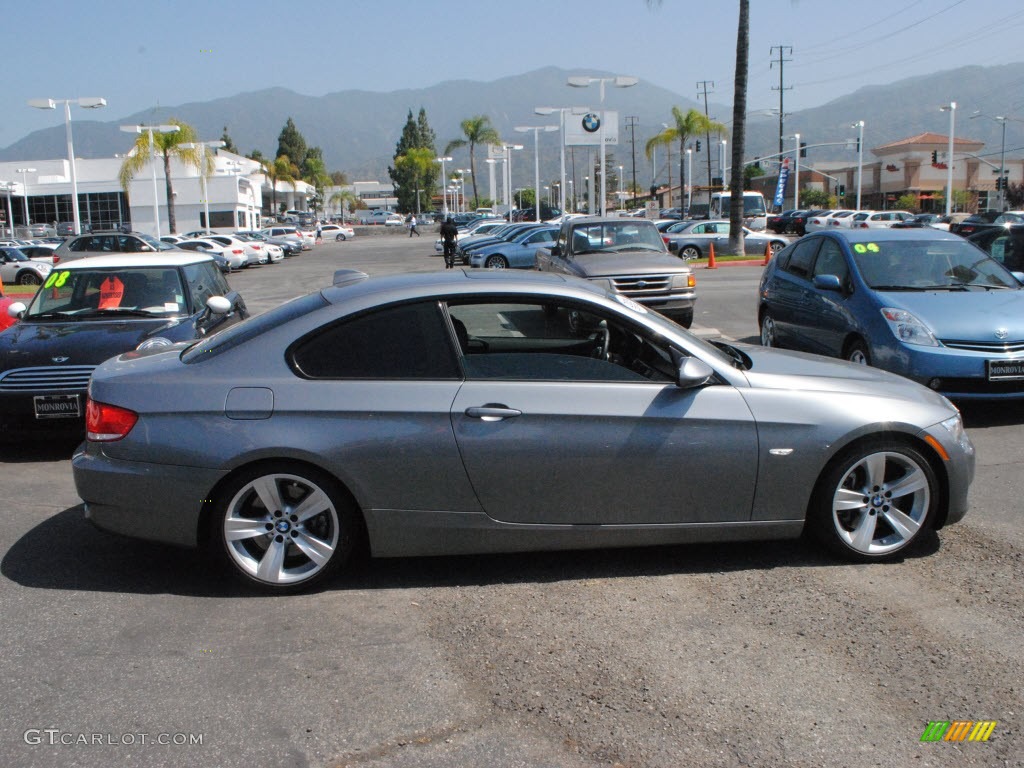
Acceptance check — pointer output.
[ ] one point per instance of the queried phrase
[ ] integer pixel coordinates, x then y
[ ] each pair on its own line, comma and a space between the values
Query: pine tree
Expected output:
292, 144
409, 176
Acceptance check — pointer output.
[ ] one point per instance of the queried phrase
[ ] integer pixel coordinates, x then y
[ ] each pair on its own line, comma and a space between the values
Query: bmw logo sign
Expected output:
591, 123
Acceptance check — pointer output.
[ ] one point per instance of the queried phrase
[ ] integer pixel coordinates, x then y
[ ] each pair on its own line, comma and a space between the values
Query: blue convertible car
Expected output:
928, 305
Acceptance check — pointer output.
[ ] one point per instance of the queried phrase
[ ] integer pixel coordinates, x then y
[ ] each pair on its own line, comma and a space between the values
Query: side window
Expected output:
830, 261
997, 250
800, 261
204, 280
548, 341
81, 244
540, 237
410, 341
563, 239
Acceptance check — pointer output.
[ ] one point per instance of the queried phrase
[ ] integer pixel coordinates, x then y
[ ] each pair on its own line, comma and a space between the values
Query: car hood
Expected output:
28, 344
973, 315
784, 369
628, 263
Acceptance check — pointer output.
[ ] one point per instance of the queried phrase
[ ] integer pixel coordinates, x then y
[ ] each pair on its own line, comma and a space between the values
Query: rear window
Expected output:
240, 333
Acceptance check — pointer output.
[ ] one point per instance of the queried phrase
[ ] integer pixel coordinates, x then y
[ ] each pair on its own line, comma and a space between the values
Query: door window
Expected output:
802, 256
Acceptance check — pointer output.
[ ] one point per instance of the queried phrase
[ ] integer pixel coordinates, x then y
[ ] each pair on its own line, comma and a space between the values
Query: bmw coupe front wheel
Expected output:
285, 527
874, 501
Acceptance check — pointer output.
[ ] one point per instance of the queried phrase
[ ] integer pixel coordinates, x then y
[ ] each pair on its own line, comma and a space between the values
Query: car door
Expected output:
825, 318
788, 296
570, 416
524, 255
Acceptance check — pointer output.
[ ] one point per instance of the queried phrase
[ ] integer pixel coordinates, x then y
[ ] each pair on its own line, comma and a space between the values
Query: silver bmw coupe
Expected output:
471, 411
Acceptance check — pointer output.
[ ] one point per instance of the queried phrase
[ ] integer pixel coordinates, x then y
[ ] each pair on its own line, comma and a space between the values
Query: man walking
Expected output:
412, 226
449, 233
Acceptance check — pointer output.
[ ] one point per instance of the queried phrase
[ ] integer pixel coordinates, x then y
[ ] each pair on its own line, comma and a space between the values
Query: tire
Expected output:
286, 548
29, 278
689, 252
874, 500
857, 352
769, 336
340, 238
776, 246
496, 262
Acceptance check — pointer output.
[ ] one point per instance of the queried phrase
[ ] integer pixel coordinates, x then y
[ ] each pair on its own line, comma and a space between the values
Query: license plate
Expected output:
58, 406
1005, 370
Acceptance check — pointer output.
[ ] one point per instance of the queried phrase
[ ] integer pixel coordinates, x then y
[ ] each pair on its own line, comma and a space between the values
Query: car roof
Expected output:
165, 259
880, 235
453, 283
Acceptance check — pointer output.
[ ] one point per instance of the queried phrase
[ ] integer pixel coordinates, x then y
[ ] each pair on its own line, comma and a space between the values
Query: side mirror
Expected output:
218, 305
827, 283
16, 310
145, 249
691, 372
556, 250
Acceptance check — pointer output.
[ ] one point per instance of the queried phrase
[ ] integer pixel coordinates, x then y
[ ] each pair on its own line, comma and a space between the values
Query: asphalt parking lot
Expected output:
118, 652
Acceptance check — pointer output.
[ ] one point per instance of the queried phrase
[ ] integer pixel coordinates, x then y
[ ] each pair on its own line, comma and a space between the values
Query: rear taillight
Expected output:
56, 259
237, 251
105, 423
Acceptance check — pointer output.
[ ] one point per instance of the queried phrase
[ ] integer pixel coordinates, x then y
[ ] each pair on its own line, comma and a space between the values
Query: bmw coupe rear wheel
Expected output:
690, 252
340, 238
874, 501
496, 262
285, 529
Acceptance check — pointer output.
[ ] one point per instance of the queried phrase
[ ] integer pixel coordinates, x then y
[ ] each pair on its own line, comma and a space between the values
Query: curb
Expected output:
738, 263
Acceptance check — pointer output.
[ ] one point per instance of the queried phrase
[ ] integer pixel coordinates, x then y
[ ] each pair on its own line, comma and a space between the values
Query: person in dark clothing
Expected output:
449, 232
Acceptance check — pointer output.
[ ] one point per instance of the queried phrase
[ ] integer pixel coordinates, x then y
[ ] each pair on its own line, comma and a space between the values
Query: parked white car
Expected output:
387, 218
337, 232
268, 252
307, 241
227, 258
881, 219
824, 220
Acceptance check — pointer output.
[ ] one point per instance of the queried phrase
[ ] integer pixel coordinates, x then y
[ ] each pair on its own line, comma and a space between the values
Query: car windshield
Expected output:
14, 254
89, 293
921, 265
605, 237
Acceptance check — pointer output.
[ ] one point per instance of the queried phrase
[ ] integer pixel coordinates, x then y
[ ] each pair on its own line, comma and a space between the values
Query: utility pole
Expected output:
781, 89
631, 121
703, 84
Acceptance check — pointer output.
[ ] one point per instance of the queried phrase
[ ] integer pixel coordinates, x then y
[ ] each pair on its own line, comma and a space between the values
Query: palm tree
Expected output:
478, 130
166, 145
739, 129
281, 169
342, 198
692, 123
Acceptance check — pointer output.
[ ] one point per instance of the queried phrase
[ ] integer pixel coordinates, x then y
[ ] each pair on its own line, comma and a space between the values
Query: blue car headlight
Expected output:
156, 341
908, 328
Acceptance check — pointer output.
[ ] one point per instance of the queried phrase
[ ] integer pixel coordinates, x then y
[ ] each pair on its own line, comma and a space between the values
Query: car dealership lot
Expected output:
761, 654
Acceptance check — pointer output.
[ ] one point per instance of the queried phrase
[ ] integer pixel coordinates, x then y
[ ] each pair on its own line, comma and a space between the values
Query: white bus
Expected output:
755, 214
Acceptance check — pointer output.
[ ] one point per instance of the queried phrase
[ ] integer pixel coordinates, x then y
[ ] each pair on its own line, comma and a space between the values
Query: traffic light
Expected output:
698, 145
935, 157
1002, 182
842, 191
757, 162
803, 149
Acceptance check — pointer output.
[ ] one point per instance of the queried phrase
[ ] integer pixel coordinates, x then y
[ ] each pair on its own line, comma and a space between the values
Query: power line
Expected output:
707, 135
631, 123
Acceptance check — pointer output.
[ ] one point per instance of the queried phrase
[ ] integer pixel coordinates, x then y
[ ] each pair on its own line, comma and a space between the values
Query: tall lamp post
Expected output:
796, 171
536, 161
86, 102
444, 180
860, 157
201, 146
1002, 155
620, 81
24, 189
561, 125
509, 149
689, 177
8, 186
152, 159
721, 163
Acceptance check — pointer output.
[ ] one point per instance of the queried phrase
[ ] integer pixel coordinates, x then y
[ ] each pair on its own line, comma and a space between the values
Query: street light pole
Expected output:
796, 174
201, 146
24, 189
860, 157
689, 176
152, 159
444, 187
620, 81
949, 156
536, 161
86, 102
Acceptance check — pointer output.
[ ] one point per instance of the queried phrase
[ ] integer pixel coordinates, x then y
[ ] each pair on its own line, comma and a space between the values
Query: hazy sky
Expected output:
168, 52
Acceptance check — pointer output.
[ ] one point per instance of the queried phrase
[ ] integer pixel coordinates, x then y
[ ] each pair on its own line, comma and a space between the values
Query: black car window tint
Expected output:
81, 244
516, 341
199, 284
409, 341
800, 260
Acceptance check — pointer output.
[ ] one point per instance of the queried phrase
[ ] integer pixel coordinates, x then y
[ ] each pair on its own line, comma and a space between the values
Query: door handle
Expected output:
492, 412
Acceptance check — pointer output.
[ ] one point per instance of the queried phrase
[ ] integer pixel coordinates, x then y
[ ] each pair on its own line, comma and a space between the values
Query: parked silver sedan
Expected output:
474, 411
693, 239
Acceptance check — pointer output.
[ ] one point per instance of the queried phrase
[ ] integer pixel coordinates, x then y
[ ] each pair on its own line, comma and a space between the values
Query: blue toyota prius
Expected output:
925, 304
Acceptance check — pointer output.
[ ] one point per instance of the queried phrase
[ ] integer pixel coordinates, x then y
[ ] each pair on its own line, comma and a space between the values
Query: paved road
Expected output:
750, 655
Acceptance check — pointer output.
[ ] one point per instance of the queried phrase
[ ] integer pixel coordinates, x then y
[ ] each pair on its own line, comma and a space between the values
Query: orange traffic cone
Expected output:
767, 254
711, 257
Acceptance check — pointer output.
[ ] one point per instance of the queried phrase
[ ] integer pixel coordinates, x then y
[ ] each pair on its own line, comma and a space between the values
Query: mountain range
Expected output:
358, 129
